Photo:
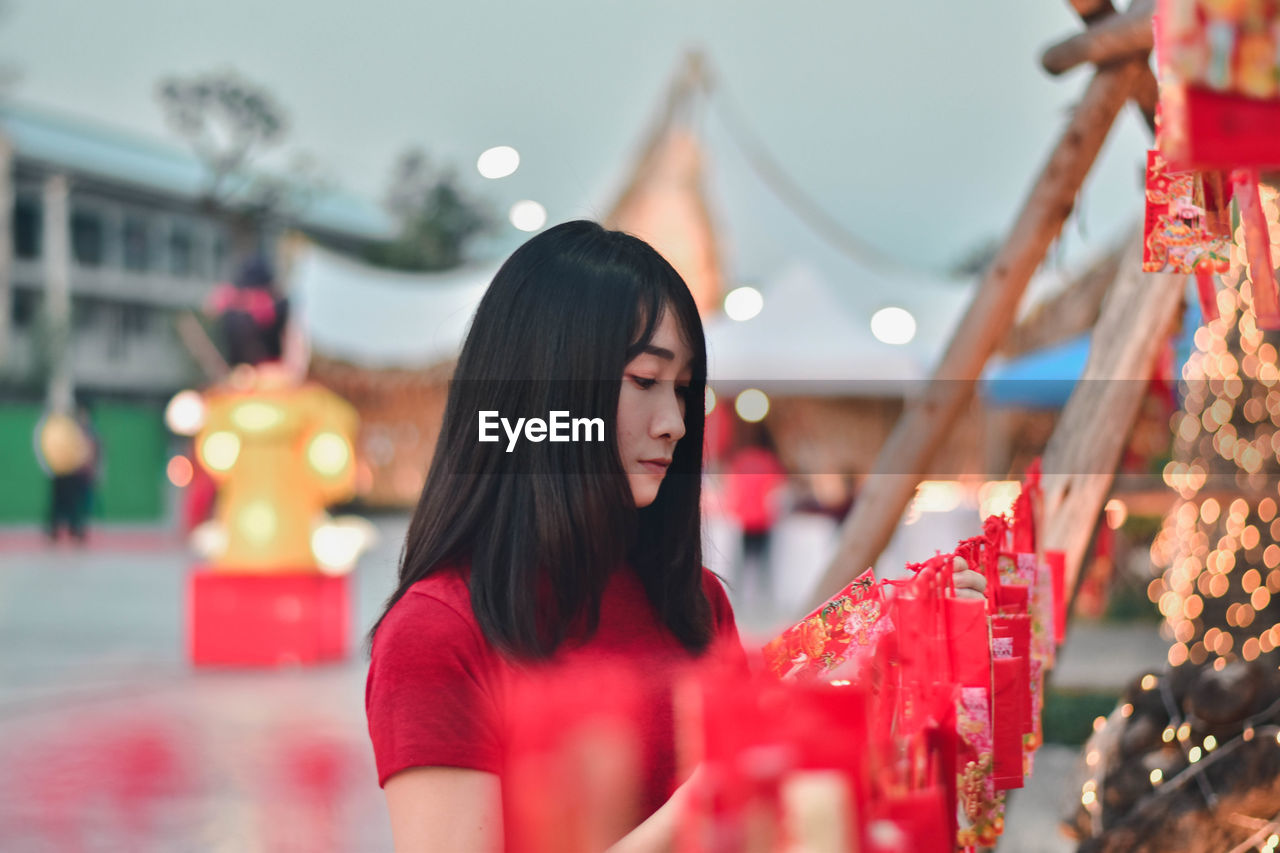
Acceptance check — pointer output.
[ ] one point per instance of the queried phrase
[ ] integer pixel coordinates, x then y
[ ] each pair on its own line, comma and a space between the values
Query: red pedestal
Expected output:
265, 620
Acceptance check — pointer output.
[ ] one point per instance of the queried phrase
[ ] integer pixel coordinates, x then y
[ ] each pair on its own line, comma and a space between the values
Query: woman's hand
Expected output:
969, 584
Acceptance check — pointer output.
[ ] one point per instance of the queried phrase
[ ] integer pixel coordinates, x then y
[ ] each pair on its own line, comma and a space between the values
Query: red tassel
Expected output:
1208, 295
1257, 241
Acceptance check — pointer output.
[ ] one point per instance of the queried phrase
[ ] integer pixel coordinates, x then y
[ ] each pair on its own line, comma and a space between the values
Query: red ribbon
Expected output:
1257, 241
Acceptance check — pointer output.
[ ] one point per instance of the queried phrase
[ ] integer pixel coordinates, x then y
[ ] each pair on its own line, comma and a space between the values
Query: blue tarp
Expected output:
1044, 379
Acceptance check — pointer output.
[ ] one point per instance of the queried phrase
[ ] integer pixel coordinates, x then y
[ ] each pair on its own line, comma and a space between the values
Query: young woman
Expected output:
528, 549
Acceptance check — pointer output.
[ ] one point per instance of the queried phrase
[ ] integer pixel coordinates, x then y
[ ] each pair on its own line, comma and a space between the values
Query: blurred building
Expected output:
113, 232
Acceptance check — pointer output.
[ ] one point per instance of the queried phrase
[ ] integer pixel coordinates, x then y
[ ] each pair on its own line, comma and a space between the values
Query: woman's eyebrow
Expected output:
660, 352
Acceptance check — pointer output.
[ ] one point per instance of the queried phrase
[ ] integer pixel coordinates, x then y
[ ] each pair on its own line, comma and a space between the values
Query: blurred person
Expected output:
542, 553
66, 451
755, 485
250, 314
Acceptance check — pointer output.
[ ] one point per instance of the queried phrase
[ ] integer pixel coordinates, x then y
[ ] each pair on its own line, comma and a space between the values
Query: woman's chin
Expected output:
644, 489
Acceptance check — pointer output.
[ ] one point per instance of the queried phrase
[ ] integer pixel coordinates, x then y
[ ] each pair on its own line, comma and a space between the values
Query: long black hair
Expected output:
544, 525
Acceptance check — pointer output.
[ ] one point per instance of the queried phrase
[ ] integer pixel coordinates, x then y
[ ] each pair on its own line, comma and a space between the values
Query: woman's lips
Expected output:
655, 466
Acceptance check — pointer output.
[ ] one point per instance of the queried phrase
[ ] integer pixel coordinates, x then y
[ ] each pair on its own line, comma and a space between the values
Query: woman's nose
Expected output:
668, 421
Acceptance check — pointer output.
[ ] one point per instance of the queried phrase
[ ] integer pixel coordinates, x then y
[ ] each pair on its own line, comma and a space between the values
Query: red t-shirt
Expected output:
435, 692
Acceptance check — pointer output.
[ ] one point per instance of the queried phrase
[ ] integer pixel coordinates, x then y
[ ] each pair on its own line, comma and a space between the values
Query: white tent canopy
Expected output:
806, 339
378, 318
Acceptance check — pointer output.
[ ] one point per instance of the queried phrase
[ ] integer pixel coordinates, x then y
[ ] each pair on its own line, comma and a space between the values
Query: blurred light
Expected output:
256, 416
752, 405
338, 543
938, 496
528, 215
893, 325
180, 471
1116, 512
996, 497
209, 539
1099, 723
743, 303
1156, 776
1148, 681
709, 401
1088, 798
257, 521
1210, 510
219, 450
1194, 754
1210, 743
328, 454
185, 413
498, 162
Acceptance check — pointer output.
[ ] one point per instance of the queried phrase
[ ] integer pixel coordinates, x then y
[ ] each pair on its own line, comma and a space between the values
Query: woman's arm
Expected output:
444, 808
658, 832
449, 808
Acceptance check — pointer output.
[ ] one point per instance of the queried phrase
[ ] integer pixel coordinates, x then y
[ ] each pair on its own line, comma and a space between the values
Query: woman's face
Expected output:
651, 408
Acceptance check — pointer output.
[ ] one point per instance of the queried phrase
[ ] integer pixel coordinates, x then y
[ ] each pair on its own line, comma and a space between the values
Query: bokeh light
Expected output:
893, 325
743, 303
184, 415
752, 405
498, 162
528, 215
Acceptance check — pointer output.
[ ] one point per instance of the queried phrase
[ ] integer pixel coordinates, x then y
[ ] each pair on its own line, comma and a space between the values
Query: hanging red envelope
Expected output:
1057, 561
1043, 615
911, 822
1219, 66
847, 626
1009, 678
1015, 627
1176, 235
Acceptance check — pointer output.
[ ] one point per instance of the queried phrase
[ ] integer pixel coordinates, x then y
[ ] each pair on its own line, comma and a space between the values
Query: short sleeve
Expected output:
727, 641
431, 692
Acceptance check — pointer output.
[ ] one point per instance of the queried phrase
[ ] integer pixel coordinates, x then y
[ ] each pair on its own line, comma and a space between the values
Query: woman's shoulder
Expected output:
435, 610
713, 588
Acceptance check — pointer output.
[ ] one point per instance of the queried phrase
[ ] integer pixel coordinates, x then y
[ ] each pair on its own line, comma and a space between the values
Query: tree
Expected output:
436, 216
227, 120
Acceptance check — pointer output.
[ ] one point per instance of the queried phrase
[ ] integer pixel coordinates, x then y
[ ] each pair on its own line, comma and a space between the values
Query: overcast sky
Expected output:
918, 125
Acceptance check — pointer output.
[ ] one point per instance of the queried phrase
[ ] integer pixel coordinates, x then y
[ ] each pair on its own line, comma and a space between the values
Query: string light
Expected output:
1220, 557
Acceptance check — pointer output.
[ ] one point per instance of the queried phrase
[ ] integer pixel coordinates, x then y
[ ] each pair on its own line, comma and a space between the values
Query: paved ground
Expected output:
110, 741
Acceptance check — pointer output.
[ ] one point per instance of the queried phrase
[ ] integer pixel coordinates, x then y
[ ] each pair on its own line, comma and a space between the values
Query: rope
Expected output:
768, 169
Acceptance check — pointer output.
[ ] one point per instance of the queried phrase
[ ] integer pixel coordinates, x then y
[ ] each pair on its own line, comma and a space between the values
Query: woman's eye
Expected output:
644, 382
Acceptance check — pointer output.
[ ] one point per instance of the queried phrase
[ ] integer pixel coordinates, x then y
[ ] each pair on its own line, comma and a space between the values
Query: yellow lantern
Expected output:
280, 453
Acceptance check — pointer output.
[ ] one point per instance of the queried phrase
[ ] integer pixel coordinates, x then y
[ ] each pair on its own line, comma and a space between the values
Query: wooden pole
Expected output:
1146, 91
57, 291
1081, 459
6, 246
1110, 39
905, 457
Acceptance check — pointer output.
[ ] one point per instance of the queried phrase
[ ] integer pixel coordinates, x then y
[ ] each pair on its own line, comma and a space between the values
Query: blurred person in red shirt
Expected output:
755, 490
